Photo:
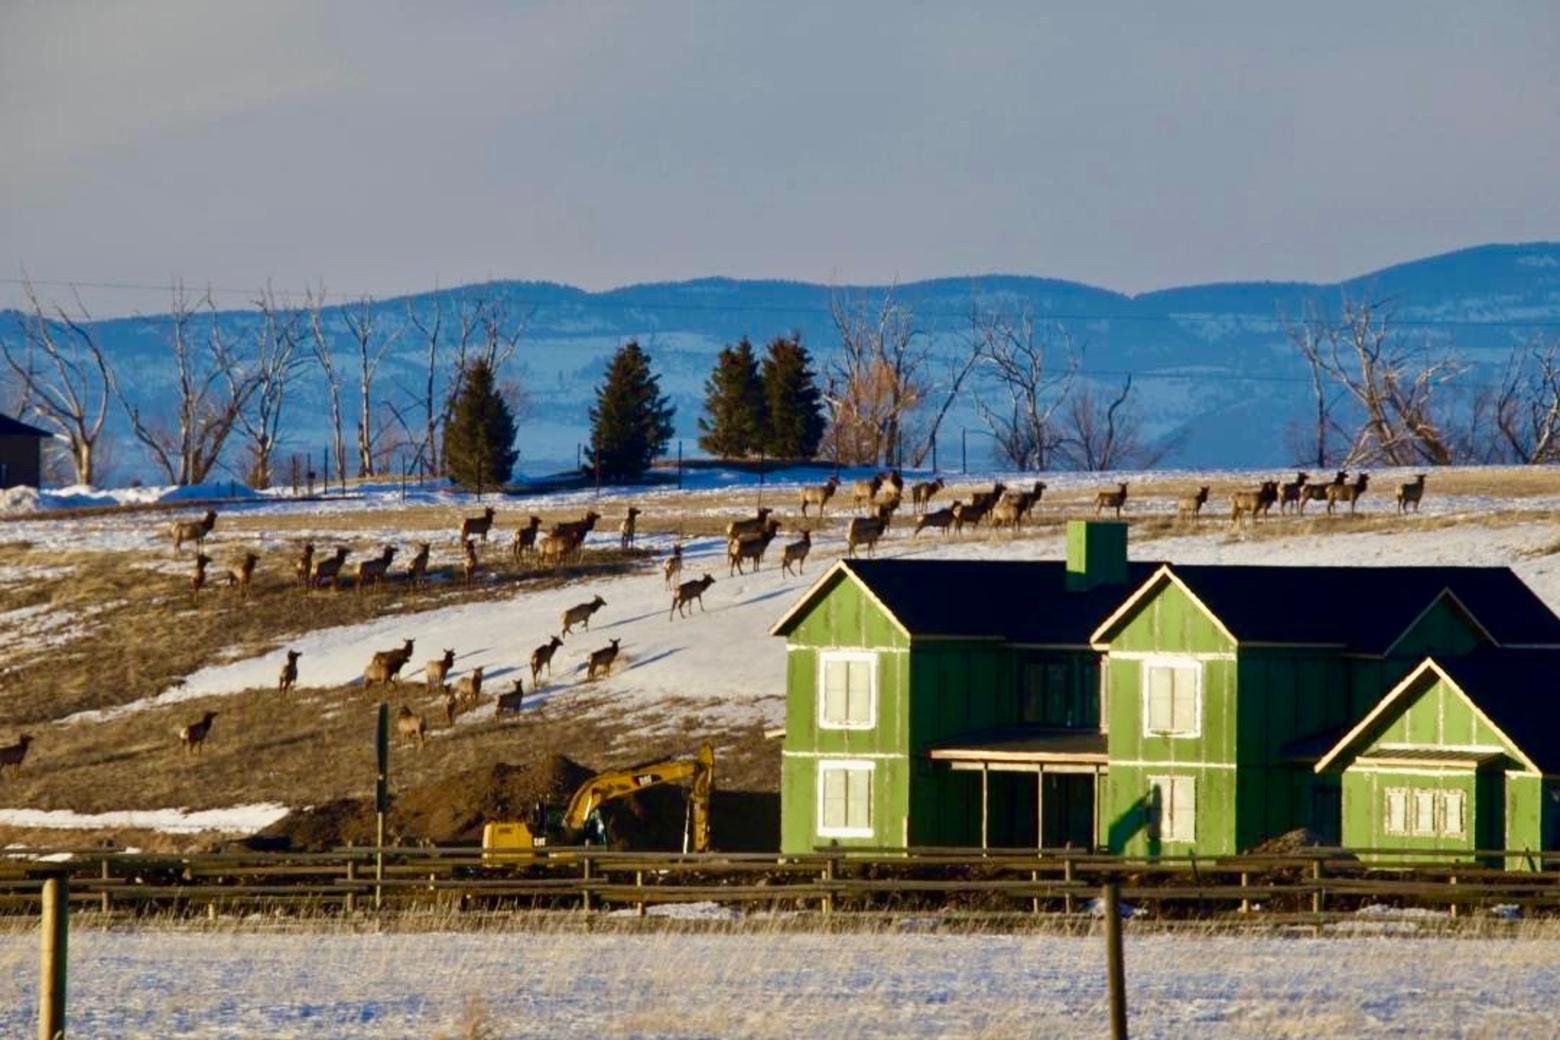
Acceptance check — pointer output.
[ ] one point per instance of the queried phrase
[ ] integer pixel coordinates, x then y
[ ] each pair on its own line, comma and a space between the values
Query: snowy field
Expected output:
678, 984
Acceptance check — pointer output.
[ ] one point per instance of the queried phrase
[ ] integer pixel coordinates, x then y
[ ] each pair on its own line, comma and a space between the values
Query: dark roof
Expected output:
10, 427
1018, 743
1519, 691
1312, 748
1020, 601
1364, 609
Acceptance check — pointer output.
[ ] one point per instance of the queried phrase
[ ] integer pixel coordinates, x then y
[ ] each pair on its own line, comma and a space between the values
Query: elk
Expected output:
1114, 500
1318, 492
1007, 513
542, 657
469, 689
1289, 491
304, 567
192, 735
750, 547
437, 670
601, 661
1349, 493
971, 514
417, 570
525, 538
689, 592
385, 666
819, 494
468, 562
580, 613
510, 703
193, 530
984, 500
557, 547
626, 530
796, 552
477, 526
411, 727
942, 518
451, 706
242, 573
577, 529
329, 568
1029, 499
289, 675
921, 492
749, 526
198, 579
671, 570
13, 755
1254, 504
373, 571
1190, 506
1409, 494
864, 491
865, 530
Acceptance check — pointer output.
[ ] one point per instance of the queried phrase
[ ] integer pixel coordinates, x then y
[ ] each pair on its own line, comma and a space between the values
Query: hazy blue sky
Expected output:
386, 146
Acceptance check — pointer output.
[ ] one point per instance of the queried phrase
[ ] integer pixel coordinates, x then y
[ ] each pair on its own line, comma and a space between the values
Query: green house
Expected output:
1461, 754
950, 702
1225, 685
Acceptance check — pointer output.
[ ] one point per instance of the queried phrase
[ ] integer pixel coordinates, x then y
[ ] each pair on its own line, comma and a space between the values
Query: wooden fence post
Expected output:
1067, 876
639, 882
105, 900
828, 878
585, 876
1115, 966
54, 934
351, 901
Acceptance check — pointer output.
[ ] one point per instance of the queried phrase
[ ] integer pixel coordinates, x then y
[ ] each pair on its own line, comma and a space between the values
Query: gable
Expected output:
1163, 615
1445, 628
839, 610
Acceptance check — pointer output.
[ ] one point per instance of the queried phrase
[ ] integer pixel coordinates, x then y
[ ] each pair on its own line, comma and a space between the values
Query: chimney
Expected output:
1096, 554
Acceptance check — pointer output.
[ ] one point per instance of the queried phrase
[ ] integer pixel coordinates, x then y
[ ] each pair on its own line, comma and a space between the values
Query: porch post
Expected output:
1039, 806
1094, 819
985, 806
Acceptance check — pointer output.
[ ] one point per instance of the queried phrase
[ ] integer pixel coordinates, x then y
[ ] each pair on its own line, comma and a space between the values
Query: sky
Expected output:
388, 147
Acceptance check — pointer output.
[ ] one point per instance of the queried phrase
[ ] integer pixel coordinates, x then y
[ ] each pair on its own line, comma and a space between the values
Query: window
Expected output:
1172, 803
1452, 814
845, 799
1424, 812
848, 684
1397, 811
1171, 695
1045, 693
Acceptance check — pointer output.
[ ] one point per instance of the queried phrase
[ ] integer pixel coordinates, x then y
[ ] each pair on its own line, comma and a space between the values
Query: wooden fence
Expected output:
1313, 885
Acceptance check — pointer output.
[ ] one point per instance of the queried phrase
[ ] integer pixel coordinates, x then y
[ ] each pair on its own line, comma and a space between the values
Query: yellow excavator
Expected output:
580, 823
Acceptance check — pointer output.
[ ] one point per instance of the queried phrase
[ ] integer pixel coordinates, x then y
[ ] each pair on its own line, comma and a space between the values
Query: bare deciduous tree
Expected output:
212, 386
1105, 431
1021, 357
362, 322
875, 381
64, 380
1526, 407
276, 364
314, 302
1316, 442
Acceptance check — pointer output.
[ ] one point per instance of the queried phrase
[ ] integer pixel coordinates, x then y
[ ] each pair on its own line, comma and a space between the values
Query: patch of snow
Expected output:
237, 819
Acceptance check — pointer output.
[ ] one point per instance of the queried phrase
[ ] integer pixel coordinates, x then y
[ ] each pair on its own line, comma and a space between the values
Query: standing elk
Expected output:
671, 570
192, 735
289, 674
198, 579
510, 703
796, 552
601, 661
468, 561
1290, 491
750, 547
1190, 506
580, 613
749, 526
689, 592
628, 528
1114, 500
921, 492
819, 494
1410, 494
542, 657
193, 530
468, 691
438, 670
1319, 492
984, 500
865, 530
417, 569
1349, 493
303, 569
241, 574
972, 514
384, 668
477, 526
411, 727
1254, 504
525, 538
373, 571
328, 569
864, 491
942, 518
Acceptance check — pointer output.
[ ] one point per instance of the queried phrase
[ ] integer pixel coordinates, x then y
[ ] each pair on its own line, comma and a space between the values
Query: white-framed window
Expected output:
847, 689
1423, 819
845, 798
1172, 697
1397, 811
1453, 820
1172, 808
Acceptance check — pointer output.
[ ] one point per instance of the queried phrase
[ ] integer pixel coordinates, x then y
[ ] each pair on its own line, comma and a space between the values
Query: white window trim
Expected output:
1445, 817
1169, 779
847, 765
1171, 661
871, 658
1387, 826
1415, 796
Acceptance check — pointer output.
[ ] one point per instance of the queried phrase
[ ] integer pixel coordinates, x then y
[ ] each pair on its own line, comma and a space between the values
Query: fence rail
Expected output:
1312, 885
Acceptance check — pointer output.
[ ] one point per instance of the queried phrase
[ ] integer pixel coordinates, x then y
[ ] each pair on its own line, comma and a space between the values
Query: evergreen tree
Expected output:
793, 405
734, 404
479, 440
631, 422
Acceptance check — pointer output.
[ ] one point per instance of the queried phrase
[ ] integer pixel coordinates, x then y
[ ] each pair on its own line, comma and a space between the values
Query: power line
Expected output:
595, 300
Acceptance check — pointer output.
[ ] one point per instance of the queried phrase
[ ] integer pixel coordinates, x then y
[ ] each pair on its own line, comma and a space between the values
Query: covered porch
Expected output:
1038, 787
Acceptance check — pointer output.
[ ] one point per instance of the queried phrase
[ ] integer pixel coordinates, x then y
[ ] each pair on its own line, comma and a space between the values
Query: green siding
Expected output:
1169, 621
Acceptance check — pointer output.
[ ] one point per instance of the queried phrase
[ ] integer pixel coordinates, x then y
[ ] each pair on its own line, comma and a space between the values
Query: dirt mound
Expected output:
1297, 840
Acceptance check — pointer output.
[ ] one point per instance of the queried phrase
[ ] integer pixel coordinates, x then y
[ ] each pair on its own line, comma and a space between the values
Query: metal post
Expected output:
934, 453
1115, 967
54, 933
964, 450
679, 466
760, 479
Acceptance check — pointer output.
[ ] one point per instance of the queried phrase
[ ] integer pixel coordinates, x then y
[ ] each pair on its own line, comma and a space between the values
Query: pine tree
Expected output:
631, 422
734, 404
793, 405
479, 440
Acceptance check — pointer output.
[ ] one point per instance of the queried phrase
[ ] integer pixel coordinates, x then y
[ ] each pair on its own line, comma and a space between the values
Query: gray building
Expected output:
21, 453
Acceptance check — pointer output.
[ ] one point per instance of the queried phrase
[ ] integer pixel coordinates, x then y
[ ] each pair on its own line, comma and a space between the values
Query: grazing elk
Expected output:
193, 530
601, 661
1254, 504
289, 674
411, 727
796, 552
469, 689
942, 518
525, 538
750, 547
819, 494
628, 528
921, 492
580, 613
373, 571
192, 735
510, 703
328, 569
477, 526
1318, 492
1190, 506
417, 569
542, 657
671, 570
13, 755
468, 561
438, 670
749, 526
1289, 492
865, 530
1349, 493
303, 569
1409, 494
198, 579
241, 574
385, 666
864, 491
1113, 500
689, 592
